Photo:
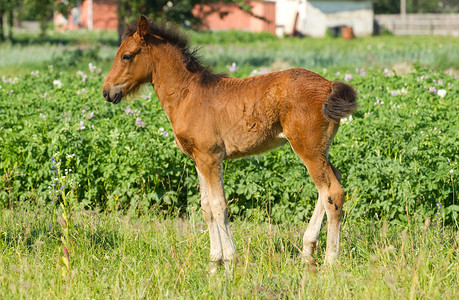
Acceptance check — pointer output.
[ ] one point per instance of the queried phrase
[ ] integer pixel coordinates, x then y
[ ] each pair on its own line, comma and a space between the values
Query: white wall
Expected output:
285, 15
317, 16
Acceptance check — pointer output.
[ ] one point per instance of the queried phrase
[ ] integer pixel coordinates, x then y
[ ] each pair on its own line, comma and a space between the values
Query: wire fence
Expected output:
418, 24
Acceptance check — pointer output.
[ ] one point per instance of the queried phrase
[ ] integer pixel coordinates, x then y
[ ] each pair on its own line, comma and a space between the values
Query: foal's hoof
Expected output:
310, 262
212, 267
230, 265
308, 259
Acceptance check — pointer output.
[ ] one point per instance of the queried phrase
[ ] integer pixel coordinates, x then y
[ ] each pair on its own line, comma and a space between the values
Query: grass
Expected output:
150, 256
30, 51
380, 52
248, 50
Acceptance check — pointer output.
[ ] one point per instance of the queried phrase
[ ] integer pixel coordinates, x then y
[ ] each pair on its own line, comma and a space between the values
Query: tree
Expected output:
177, 11
7, 9
43, 10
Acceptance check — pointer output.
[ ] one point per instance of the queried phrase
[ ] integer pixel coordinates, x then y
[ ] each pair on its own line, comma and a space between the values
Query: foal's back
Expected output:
247, 116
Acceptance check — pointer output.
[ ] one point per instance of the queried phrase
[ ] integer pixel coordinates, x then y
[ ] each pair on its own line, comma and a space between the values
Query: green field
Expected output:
107, 183
119, 256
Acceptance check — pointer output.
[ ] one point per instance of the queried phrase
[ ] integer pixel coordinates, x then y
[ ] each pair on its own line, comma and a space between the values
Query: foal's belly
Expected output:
234, 151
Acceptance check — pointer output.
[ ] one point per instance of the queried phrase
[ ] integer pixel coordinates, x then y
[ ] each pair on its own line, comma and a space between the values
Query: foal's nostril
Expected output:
105, 95
117, 97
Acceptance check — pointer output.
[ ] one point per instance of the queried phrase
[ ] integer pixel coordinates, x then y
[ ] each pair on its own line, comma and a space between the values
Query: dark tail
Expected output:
341, 102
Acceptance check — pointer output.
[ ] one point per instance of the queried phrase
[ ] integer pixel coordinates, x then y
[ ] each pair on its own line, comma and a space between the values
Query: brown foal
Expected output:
215, 118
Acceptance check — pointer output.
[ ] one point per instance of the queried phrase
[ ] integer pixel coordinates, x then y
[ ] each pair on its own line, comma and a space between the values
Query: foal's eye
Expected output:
127, 57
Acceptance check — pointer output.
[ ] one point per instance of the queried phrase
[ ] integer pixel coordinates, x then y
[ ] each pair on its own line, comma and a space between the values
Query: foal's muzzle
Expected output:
116, 98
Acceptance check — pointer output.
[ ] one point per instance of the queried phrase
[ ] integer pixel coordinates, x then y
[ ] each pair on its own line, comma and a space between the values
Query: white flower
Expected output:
387, 72
81, 125
441, 93
57, 83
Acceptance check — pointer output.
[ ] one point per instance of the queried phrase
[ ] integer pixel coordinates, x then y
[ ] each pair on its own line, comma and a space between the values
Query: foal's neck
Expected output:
170, 76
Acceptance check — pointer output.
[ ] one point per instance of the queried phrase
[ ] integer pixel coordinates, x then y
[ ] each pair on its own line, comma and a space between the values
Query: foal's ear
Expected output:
142, 26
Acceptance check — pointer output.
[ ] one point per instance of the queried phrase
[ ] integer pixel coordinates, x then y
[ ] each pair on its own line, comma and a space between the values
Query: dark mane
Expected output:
191, 59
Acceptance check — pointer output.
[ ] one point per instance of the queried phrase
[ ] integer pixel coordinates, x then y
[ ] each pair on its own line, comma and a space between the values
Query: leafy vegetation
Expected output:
398, 154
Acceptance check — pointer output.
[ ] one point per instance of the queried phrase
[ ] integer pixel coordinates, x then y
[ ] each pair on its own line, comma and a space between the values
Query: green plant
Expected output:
62, 192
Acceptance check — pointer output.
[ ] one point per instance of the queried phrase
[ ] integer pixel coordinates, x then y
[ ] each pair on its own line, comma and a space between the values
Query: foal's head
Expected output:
130, 68
141, 51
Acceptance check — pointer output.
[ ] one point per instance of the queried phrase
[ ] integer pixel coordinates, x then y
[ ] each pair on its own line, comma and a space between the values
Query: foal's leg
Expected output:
222, 245
216, 250
331, 201
313, 151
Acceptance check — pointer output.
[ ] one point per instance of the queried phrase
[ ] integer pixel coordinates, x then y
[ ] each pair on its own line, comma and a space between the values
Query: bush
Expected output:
398, 153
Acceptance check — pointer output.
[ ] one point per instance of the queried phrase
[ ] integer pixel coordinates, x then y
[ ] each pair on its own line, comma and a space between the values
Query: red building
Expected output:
238, 19
101, 14
91, 14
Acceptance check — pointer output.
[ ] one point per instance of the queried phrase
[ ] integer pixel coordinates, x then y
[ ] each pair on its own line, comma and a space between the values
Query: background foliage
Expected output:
177, 11
398, 154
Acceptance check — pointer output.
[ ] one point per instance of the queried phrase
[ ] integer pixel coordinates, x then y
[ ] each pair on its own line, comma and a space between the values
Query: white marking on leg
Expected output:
311, 234
220, 214
216, 249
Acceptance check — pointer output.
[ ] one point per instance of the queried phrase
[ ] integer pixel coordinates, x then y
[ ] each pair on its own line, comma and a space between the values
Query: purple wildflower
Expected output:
348, 77
90, 115
232, 68
432, 89
139, 122
128, 110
